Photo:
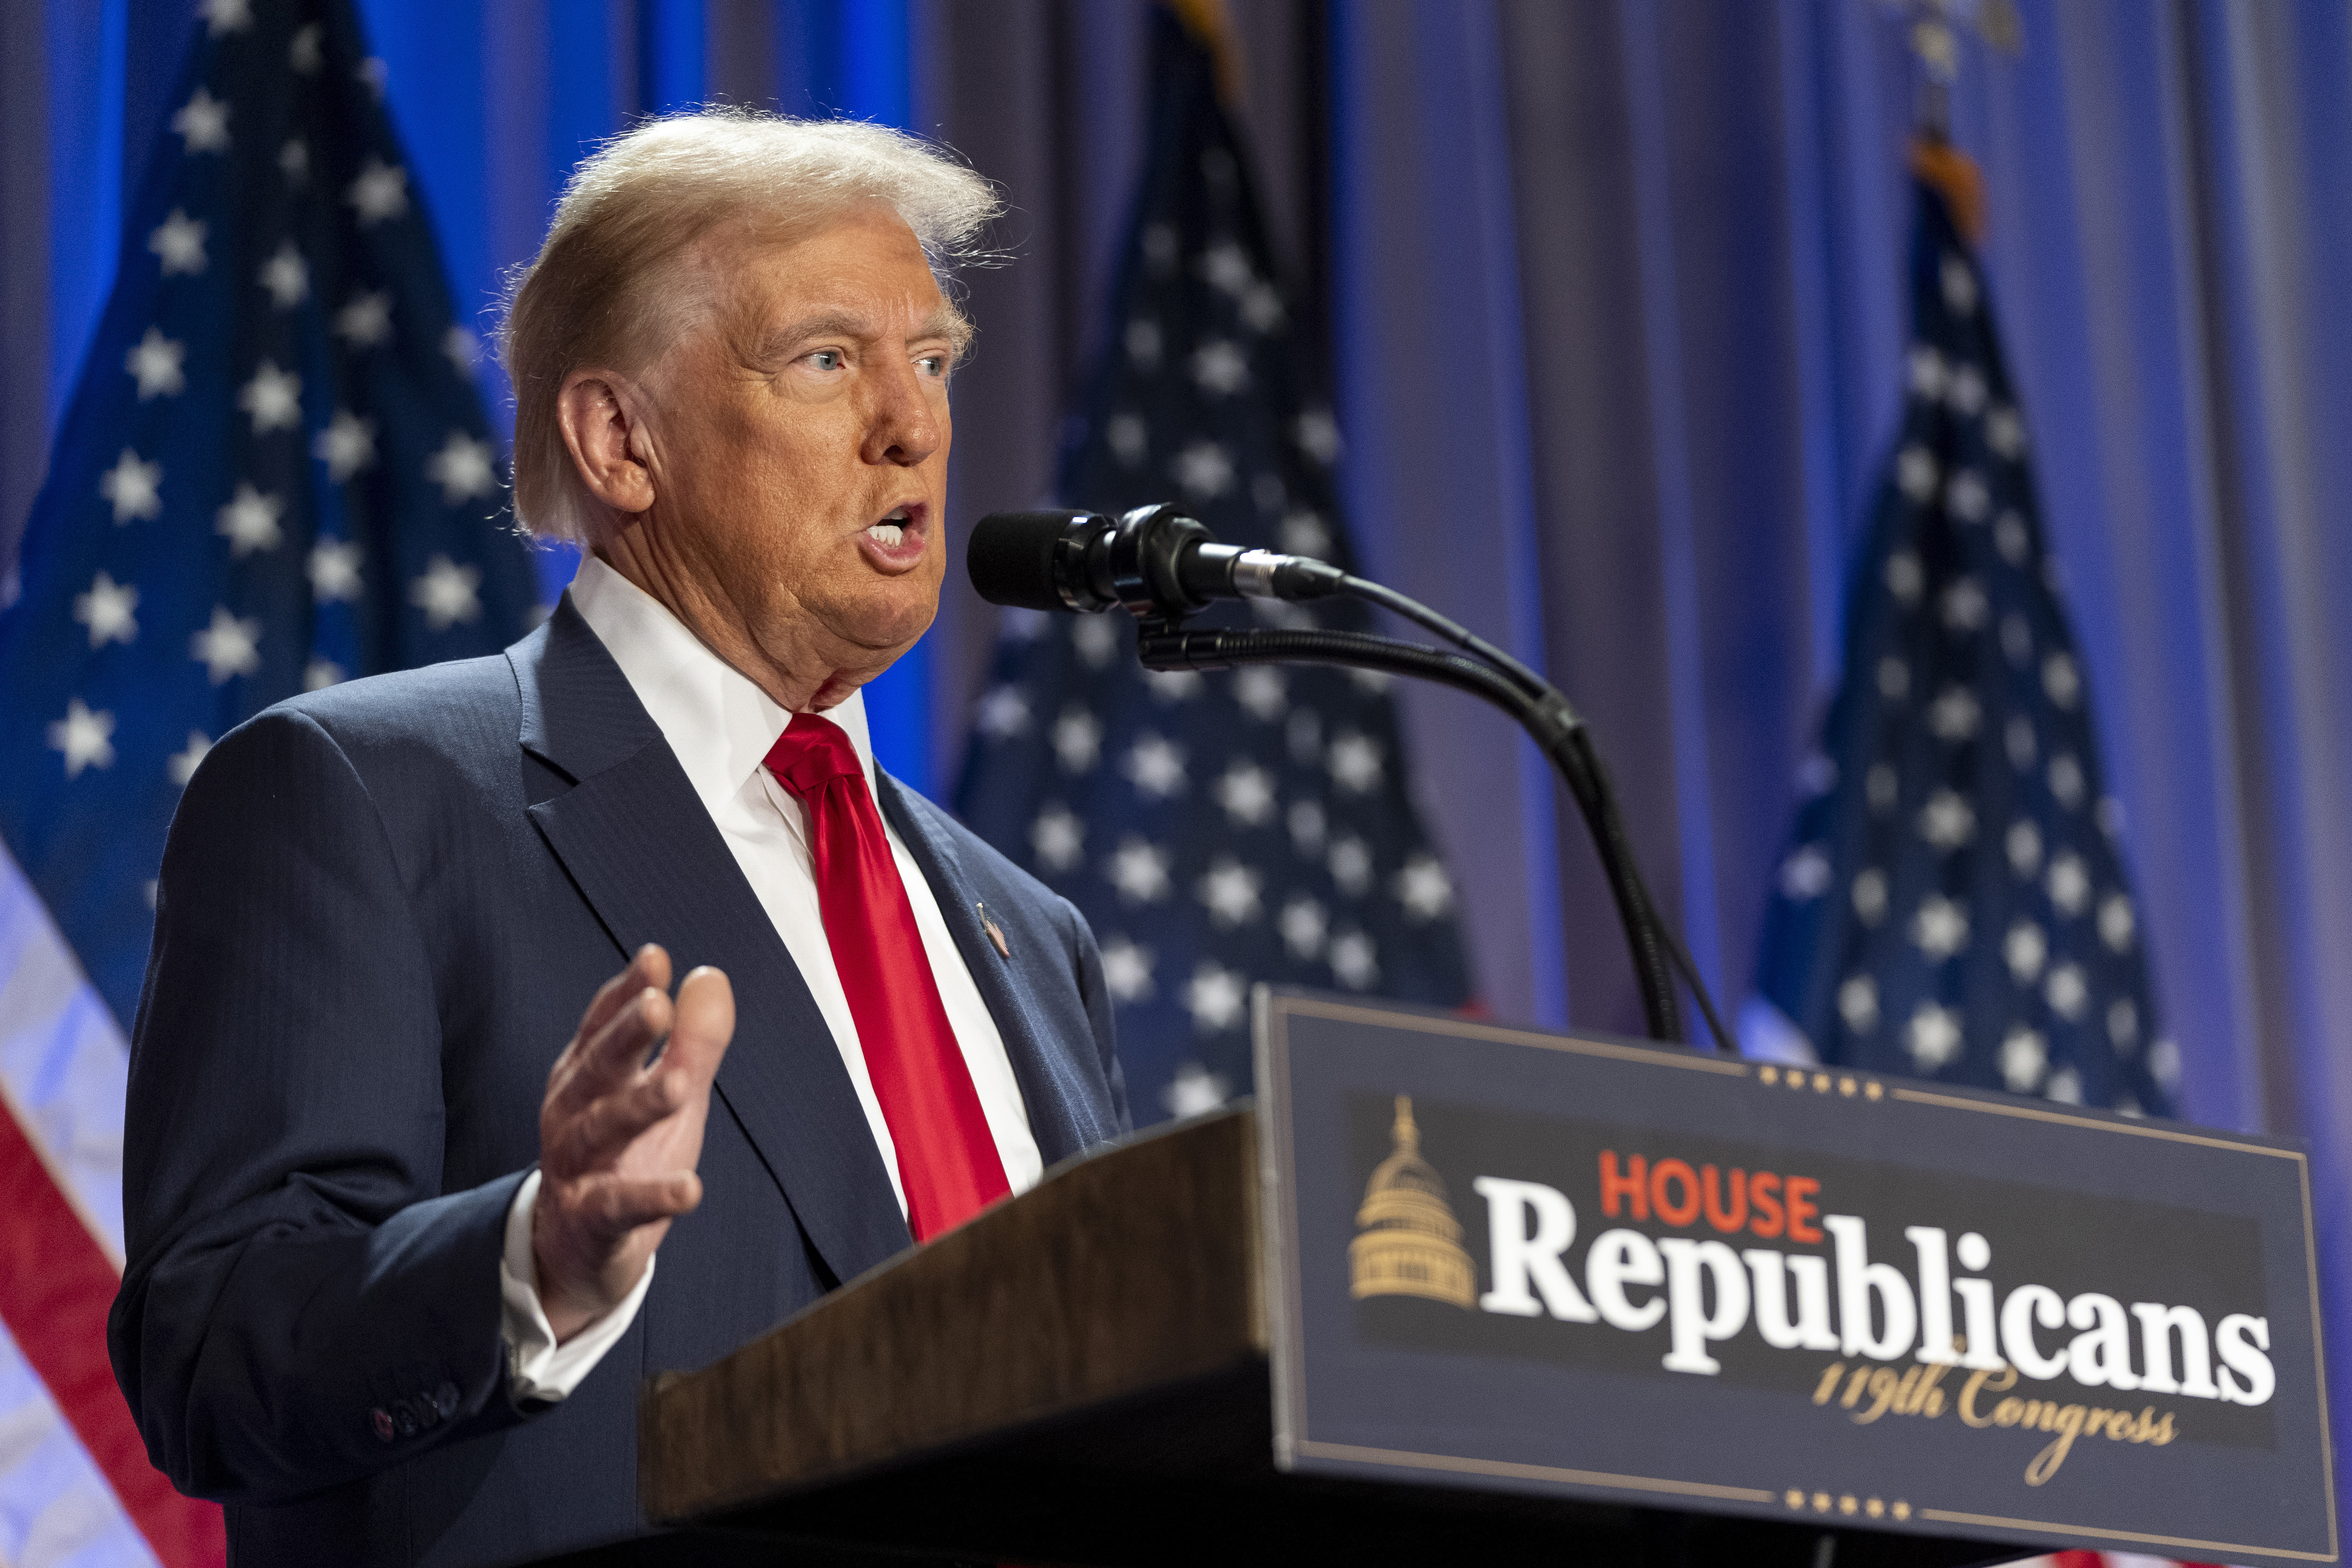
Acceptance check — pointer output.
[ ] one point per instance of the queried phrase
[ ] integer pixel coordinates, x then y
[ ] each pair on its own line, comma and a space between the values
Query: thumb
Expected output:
703, 1022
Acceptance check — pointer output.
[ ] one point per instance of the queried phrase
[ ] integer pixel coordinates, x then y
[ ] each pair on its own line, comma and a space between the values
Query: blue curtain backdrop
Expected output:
1612, 295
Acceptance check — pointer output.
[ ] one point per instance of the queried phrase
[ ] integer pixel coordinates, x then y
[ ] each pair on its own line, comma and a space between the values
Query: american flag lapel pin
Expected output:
995, 932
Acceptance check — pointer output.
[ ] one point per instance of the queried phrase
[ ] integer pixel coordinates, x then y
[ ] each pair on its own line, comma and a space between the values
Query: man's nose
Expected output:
904, 425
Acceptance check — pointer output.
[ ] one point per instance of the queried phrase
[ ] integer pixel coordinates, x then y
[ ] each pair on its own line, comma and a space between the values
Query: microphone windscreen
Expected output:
1011, 557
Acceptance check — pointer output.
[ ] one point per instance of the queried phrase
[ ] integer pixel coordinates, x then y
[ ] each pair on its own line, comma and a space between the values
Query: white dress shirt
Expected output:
720, 725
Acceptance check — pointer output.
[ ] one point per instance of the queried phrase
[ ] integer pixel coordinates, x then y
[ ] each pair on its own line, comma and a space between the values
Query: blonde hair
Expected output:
595, 296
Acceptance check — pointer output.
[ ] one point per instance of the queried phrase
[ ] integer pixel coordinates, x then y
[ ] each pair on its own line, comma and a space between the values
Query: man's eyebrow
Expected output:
945, 321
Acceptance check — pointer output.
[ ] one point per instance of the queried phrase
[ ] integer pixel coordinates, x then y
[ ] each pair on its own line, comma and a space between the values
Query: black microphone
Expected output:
1154, 560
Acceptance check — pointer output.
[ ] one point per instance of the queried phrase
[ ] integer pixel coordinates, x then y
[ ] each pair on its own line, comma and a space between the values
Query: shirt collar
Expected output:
717, 722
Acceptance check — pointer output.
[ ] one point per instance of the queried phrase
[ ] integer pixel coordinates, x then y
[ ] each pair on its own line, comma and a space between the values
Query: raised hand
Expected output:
619, 1137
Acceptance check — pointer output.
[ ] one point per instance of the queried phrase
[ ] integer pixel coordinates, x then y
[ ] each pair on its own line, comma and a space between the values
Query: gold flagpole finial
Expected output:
1212, 26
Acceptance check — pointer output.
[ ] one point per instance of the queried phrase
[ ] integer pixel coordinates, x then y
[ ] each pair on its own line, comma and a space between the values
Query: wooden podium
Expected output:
1448, 1290
1080, 1377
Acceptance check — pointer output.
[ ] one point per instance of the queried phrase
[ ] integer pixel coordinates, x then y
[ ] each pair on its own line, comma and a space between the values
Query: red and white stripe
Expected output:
75, 1483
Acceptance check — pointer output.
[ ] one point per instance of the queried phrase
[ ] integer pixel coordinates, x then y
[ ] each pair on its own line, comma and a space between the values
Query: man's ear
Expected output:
601, 415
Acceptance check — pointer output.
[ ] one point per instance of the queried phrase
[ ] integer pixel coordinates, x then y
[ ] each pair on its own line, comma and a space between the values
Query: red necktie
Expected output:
947, 1162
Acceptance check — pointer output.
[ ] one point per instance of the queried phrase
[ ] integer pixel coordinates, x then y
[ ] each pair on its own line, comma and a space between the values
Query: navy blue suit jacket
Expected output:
381, 910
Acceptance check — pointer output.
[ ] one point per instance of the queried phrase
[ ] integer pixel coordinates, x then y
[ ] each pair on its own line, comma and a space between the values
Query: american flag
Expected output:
275, 474
1222, 829
1953, 902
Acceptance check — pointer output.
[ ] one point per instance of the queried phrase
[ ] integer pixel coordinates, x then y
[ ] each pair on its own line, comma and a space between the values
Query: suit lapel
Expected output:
644, 852
1006, 986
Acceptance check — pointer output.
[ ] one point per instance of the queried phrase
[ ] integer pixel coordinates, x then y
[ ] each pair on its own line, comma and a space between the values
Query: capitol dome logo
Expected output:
1408, 1241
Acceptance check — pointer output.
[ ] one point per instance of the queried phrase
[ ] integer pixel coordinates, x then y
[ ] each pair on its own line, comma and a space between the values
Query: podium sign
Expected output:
1582, 1266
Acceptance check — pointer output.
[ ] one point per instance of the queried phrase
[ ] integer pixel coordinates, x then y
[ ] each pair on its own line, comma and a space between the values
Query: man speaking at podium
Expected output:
398, 1255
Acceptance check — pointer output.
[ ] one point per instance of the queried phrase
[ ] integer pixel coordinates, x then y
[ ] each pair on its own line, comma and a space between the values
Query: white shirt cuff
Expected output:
542, 1370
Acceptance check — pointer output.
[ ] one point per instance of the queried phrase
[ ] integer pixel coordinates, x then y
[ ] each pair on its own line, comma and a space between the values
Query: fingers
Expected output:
648, 967
602, 1129
703, 1024
616, 1054
615, 1204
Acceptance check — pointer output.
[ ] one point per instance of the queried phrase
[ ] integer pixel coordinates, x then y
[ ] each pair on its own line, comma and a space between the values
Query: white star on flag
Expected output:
1355, 762
1260, 689
1948, 821
2070, 884
320, 673
1940, 929
1247, 792
1304, 533
335, 570
227, 17
2116, 922
249, 521
1423, 888
107, 610
1806, 873
1157, 766
2025, 950
1194, 1091
347, 445
1220, 369
179, 240
286, 276
1127, 970
1128, 436
203, 124
1059, 836
1226, 266
230, 645
365, 321
302, 56
2023, 1055
1934, 1037
1204, 470
1078, 740
1261, 307
86, 738
463, 468
1318, 434
182, 765
157, 363
274, 398
447, 593
462, 348
1857, 1001
294, 162
381, 192
1214, 996
1097, 639
1004, 710
1354, 962
133, 487
1229, 891
1303, 924
1350, 863
1139, 869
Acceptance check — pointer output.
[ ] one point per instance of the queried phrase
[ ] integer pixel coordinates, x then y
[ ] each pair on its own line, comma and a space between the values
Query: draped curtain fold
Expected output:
1613, 300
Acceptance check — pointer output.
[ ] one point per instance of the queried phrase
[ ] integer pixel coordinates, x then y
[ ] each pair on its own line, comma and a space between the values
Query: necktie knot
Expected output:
810, 754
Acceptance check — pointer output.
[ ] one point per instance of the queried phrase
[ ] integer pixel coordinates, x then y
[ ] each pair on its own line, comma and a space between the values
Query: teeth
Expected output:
888, 534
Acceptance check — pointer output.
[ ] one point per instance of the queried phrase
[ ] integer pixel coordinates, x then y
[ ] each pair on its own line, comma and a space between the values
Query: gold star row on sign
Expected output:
1847, 1503
1820, 1082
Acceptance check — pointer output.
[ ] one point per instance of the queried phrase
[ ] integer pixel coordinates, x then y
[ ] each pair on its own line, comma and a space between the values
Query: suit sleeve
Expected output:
301, 1304
1095, 991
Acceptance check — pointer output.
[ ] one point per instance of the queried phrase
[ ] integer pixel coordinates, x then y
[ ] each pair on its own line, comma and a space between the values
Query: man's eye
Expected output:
933, 364
826, 359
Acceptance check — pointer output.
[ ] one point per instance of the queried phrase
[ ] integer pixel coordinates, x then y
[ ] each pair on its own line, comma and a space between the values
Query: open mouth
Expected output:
895, 540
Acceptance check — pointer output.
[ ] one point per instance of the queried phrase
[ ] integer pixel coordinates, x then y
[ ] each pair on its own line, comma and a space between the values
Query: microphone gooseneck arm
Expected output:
1161, 566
